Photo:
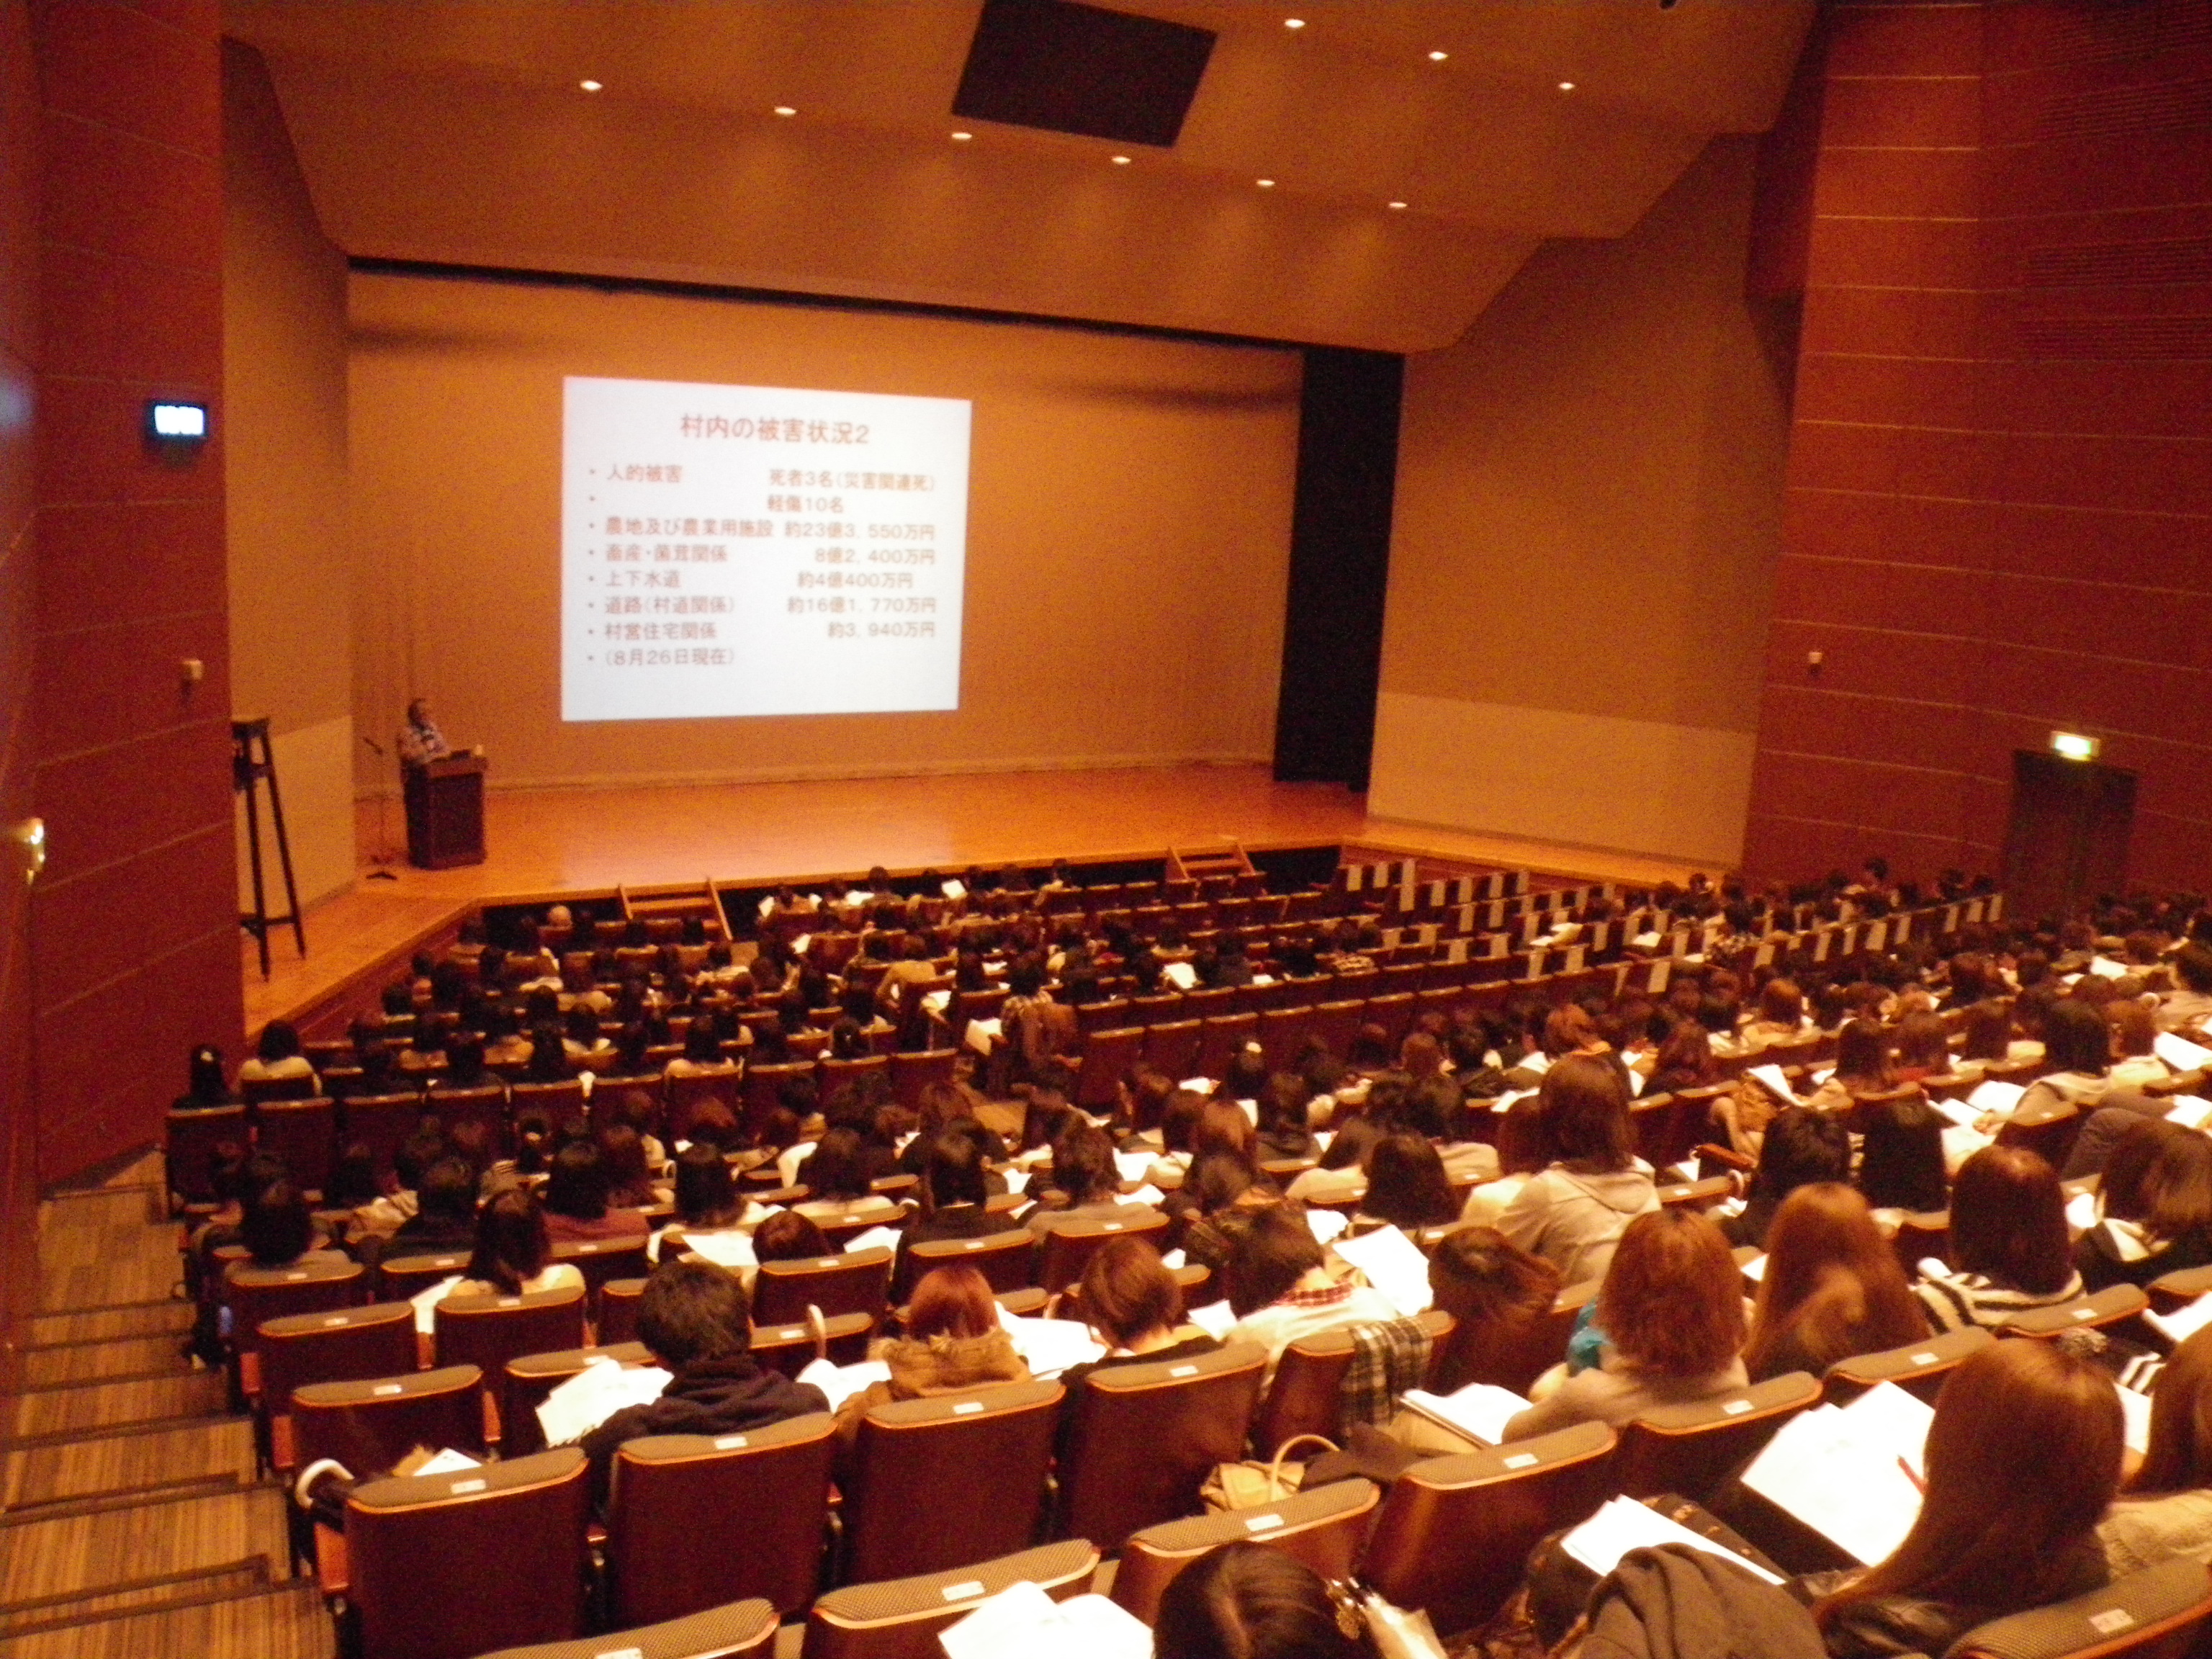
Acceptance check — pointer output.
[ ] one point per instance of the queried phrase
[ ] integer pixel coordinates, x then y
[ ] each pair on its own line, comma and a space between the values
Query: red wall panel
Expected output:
134, 927
2000, 507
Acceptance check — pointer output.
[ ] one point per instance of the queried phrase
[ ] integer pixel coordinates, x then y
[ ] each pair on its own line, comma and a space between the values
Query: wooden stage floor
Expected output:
546, 843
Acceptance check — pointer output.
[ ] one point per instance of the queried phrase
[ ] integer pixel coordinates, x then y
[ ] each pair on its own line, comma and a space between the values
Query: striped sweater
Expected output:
1956, 1300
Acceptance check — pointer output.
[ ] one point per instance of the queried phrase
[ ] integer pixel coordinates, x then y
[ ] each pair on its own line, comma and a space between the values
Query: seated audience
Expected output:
277, 1056
1086, 1184
788, 1235
1901, 1159
1801, 1147
2023, 1458
1277, 1283
445, 1217
1520, 1150
1406, 1184
1573, 1212
953, 1343
709, 1212
207, 1086
512, 1252
576, 1208
1341, 1174
2078, 1047
1672, 1311
2008, 1240
1494, 1294
1251, 1602
2155, 1208
1134, 1308
2167, 1510
1831, 1287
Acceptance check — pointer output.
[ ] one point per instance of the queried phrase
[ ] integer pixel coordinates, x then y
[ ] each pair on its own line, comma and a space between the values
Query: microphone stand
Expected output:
382, 858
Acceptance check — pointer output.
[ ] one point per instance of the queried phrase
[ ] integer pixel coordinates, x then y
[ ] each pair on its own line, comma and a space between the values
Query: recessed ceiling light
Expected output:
1397, 204
1294, 23
1566, 86
784, 109
1439, 57
961, 137
1121, 161
589, 86
1267, 184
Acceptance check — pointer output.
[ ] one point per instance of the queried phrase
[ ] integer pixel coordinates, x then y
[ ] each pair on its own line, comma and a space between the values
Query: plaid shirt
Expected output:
1386, 1361
1328, 1297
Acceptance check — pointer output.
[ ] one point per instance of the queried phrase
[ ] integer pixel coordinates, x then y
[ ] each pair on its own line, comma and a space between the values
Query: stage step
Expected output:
144, 1461
278, 1621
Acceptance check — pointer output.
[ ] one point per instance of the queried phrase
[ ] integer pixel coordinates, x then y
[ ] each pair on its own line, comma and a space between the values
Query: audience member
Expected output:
1831, 1287
2008, 1240
1572, 1212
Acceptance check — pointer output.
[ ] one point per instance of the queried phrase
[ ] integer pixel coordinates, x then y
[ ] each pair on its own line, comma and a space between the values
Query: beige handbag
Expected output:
1252, 1483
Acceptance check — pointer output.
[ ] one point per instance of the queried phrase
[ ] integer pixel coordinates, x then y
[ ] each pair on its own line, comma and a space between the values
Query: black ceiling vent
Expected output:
1069, 68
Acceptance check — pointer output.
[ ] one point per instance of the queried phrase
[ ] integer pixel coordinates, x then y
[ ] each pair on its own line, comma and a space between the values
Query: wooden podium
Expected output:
445, 811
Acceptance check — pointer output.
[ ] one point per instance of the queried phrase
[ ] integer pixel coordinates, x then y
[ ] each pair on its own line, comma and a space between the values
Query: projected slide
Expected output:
753, 549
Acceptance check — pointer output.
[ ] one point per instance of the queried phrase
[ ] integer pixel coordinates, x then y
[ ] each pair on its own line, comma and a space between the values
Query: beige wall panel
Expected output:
1634, 786
1128, 531
1588, 507
314, 769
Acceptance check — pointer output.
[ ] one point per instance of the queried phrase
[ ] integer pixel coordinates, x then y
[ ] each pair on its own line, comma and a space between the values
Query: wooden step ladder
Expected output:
675, 901
1195, 865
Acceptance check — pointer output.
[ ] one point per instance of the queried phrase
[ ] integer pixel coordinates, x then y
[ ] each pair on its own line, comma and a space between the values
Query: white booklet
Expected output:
2190, 1112
1853, 1474
426, 1304
450, 1462
1216, 1319
1624, 1525
1479, 1411
876, 1238
1393, 1265
1049, 1347
2183, 1321
1769, 1077
2179, 1052
1327, 1225
586, 1400
2135, 1412
839, 1383
1133, 1166
1023, 1621
1997, 1097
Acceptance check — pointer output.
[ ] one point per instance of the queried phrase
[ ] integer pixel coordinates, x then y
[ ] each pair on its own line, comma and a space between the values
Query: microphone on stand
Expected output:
382, 857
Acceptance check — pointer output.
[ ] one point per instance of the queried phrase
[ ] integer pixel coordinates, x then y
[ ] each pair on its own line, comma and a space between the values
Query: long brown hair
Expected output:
1672, 1302
2179, 1457
1832, 1287
2023, 1457
2009, 1221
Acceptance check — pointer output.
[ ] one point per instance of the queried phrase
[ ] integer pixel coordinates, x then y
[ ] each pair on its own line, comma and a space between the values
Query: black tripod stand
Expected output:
248, 772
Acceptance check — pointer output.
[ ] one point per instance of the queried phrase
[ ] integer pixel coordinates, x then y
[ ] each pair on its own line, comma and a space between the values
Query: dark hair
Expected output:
1083, 1164
1269, 1251
577, 1187
1583, 1108
1801, 1147
693, 1311
1901, 1158
1490, 1287
280, 1040
953, 1172
1862, 1055
1350, 1143
207, 1082
1406, 1182
835, 1169
788, 1235
1127, 1293
449, 1190
277, 1226
2076, 1039
2179, 1455
511, 1247
2009, 1221
1245, 1601
705, 1195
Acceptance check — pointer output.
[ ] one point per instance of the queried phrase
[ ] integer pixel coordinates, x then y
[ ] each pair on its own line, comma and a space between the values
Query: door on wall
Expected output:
2068, 839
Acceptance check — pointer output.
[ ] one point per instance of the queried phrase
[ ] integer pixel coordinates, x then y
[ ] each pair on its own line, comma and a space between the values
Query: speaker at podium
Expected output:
444, 793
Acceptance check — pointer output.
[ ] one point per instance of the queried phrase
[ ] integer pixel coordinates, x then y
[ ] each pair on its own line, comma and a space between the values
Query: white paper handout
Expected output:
1049, 1347
1851, 1475
2190, 1112
1023, 1621
1479, 1411
726, 1247
1996, 1097
2134, 1414
1216, 1319
876, 1238
1624, 1525
1393, 1265
1133, 1166
1327, 1225
982, 1035
2183, 1321
586, 1400
449, 1461
2180, 1052
839, 1383
1769, 1077
426, 1304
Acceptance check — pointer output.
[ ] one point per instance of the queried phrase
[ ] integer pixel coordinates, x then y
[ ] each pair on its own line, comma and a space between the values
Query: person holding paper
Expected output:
2167, 1510
1255, 1603
954, 1344
1280, 1286
1574, 1212
1832, 1287
2078, 1045
1801, 1147
1133, 1307
2023, 1459
696, 1321
2009, 1244
1672, 1311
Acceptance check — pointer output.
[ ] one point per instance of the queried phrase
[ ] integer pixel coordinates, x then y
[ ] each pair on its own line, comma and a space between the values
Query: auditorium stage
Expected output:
544, 844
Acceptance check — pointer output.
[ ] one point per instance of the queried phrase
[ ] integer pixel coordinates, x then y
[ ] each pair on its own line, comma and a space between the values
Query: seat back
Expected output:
484, 1105
2112, 1305
949, 1480
764, 1090
1922, 1236
450, 1567
337, 1345
1108, 1056
258, 1295
1306, 1395
912, 1073
399, 1277
1323, 1527
1689, 1450
300, 1131
618, 1304
528, 1378
2157, 1614
1221, 1038
188, 1143
744, 1630
1454, 1535
1141, 1439
369, 1424
1393, 1011
1171, 1046
2049, 1130
685, 1095
858, 1282
1068, 1251
1920, 1368
1008, 1260
790, 1348
601, 1258
662, 1562
559, 1101
384, 1122
901, 1619
1337, 1022
487, 1331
